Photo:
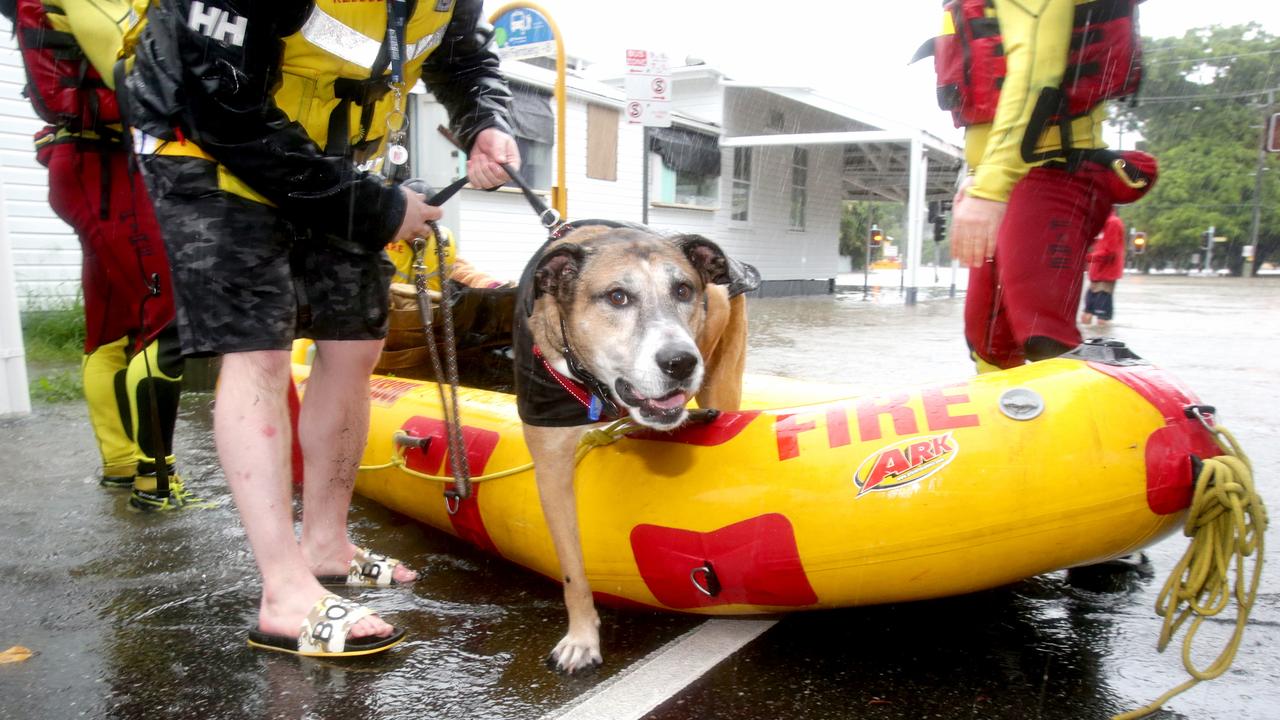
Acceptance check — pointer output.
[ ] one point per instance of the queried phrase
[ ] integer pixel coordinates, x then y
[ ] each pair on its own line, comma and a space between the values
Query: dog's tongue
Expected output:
671, 401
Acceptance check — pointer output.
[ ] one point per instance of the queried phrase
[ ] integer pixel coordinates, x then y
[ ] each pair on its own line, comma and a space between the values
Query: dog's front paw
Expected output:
578, 650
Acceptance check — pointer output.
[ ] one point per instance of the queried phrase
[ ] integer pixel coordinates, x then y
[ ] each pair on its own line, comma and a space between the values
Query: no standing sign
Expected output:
648, 88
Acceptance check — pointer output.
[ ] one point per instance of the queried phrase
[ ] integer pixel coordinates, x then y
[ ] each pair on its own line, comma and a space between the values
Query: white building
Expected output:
763, 171
788, 159
44, 251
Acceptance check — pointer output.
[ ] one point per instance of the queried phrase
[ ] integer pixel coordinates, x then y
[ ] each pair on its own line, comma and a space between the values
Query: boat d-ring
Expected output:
711, 588
452, 502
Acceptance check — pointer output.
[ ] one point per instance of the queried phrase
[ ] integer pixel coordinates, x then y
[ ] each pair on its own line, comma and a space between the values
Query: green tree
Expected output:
855, 226
1204, 96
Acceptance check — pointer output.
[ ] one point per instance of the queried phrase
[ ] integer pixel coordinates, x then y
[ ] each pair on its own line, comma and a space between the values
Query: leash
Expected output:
547, 215
459, 464
1226, 524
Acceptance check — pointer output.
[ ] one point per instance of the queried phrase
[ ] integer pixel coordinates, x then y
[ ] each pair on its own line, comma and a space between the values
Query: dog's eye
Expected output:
618, 298
684, 292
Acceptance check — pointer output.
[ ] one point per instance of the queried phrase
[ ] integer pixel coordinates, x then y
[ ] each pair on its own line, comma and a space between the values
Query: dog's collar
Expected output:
588, 390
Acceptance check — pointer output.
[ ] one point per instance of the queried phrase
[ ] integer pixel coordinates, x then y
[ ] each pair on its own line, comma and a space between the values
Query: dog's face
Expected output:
632, 305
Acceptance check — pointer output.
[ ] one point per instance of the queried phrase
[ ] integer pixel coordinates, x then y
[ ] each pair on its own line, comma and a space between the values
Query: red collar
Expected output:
571, 386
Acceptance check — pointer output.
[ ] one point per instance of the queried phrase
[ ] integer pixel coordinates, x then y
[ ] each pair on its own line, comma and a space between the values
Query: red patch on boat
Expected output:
752, 562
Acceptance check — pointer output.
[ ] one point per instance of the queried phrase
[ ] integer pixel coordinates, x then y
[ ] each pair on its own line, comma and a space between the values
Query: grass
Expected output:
54, 339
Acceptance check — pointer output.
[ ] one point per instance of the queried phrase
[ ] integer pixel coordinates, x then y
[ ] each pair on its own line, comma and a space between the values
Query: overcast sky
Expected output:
852, 50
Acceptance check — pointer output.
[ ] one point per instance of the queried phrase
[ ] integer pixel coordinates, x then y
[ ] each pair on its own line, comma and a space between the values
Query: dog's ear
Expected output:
706, 257
716, 267
558, 270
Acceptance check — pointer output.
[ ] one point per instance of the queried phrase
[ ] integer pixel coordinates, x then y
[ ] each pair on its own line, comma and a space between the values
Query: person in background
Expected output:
132, 370
1106, 266
252, 121
400, 252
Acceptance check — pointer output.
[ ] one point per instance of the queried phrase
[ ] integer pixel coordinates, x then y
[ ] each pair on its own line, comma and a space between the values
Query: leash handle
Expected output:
449, 191
548, 216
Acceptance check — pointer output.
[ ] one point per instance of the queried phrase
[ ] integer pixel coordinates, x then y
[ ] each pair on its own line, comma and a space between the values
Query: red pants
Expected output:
1032, 289
124, 254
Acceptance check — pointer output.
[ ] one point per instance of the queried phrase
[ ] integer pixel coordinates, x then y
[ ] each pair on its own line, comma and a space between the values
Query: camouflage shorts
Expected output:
246, 279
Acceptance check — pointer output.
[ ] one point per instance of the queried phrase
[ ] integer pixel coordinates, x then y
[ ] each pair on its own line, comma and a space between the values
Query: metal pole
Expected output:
644, 170
14, 394
1247, 270
1208, 252
866, 266
915, 216
559, 192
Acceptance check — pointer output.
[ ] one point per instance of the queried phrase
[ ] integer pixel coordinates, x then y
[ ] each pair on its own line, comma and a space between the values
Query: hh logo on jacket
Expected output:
217, 23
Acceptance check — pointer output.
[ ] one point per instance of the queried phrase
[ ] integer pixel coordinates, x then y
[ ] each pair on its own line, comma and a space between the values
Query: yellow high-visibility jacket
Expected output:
1036, 35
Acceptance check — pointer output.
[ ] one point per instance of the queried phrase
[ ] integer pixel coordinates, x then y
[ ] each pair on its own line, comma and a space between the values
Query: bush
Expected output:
53, 336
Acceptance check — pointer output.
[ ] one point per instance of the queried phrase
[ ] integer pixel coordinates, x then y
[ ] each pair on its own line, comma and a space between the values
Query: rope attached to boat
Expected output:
590, 440
1226, 524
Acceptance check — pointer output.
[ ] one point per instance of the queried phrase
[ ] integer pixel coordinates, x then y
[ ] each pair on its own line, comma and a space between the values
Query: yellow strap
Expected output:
1226, 524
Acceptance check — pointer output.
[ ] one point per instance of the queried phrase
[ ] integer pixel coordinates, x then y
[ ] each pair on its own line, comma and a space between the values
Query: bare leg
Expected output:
552, 450
251, 430
333, 427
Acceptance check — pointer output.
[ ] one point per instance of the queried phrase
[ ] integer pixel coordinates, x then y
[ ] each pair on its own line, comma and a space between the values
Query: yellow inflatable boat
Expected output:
813, 500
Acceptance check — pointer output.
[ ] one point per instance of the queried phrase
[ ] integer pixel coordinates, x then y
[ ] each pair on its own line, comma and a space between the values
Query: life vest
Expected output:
62, 85
334, 80
1104, 62
400, 253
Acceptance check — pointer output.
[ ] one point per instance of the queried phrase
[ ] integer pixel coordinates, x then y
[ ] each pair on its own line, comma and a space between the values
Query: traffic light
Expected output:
938, 210
876, 238
1206, 240
1139, 243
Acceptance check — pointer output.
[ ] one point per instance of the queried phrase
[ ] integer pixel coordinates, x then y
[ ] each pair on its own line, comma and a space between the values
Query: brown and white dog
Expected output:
607, 325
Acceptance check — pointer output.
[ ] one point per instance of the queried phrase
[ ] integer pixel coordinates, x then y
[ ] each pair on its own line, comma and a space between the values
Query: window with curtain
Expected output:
690, 170
534, 126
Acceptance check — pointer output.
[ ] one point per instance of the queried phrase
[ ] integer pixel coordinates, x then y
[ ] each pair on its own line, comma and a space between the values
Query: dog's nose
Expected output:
677, 364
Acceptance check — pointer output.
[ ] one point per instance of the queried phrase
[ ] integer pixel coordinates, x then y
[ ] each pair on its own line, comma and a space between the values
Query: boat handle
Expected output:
1203, 413
404, 439
708, 572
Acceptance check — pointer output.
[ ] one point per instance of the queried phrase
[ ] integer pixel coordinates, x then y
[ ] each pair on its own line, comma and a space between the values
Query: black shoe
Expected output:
116, 482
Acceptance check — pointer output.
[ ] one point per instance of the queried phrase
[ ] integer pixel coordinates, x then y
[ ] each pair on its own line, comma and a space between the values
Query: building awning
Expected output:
531, 116
876, 163
686, 151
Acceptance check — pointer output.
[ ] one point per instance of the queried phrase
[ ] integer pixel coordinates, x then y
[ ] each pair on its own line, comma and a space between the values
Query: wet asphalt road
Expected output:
141, 616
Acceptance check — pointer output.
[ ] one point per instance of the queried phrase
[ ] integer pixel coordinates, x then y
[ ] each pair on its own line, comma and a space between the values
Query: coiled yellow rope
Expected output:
590, 440
1226, 524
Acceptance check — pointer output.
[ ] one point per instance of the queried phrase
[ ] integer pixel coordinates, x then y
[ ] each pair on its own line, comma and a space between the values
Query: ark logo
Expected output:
904, 462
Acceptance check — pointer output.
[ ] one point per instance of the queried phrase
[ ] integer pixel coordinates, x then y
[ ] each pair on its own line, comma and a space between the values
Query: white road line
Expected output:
661, 675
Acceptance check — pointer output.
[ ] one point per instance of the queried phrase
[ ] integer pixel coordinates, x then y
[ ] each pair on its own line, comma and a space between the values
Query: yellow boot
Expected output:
104, 376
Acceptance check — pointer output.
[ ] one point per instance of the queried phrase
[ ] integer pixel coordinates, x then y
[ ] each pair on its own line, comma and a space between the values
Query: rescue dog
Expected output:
607, 325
